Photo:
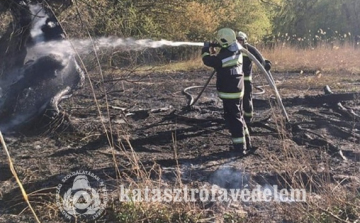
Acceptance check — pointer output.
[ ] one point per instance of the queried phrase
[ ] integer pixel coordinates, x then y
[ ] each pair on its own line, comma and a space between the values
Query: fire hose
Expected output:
270, 80
192, 101
268, 77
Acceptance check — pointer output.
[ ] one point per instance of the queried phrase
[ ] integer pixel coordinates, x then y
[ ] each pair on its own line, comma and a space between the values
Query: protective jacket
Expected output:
228, 66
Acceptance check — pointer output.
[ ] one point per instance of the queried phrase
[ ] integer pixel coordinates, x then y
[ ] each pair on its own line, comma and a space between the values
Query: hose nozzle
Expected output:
210, 44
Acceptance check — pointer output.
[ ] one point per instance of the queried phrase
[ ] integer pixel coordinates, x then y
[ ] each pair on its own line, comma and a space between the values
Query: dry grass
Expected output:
336, 59
328, 205
332, 203
287, 59
307, 69
335, 204
326, 201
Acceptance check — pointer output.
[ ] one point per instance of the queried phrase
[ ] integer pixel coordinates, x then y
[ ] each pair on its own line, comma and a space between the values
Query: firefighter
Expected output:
247, 68
230, 84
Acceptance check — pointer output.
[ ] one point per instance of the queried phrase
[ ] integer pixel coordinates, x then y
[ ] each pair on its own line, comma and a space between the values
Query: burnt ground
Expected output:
319, 148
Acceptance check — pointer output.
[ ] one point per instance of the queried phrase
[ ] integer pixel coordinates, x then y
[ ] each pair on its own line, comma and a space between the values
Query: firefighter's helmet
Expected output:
225, 37
241, 36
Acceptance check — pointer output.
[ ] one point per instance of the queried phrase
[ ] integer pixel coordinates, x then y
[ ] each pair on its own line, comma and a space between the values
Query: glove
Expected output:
267, 65
205, 50
212, 50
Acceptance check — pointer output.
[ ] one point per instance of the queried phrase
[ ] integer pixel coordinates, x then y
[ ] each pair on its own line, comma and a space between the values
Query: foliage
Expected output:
179, 20
306, 23
317, 20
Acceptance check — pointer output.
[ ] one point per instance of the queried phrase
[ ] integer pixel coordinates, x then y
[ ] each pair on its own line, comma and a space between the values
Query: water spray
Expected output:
87, 45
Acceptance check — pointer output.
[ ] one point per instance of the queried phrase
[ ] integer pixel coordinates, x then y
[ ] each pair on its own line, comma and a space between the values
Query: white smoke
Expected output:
66, 49
38, 20
229, 177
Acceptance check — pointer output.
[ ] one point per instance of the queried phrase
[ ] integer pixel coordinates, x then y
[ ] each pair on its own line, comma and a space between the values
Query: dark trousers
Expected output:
235, 122
247, 101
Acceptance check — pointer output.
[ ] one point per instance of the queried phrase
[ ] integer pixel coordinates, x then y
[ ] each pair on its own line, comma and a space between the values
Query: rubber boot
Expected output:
239, 149
250, 149
248, 145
